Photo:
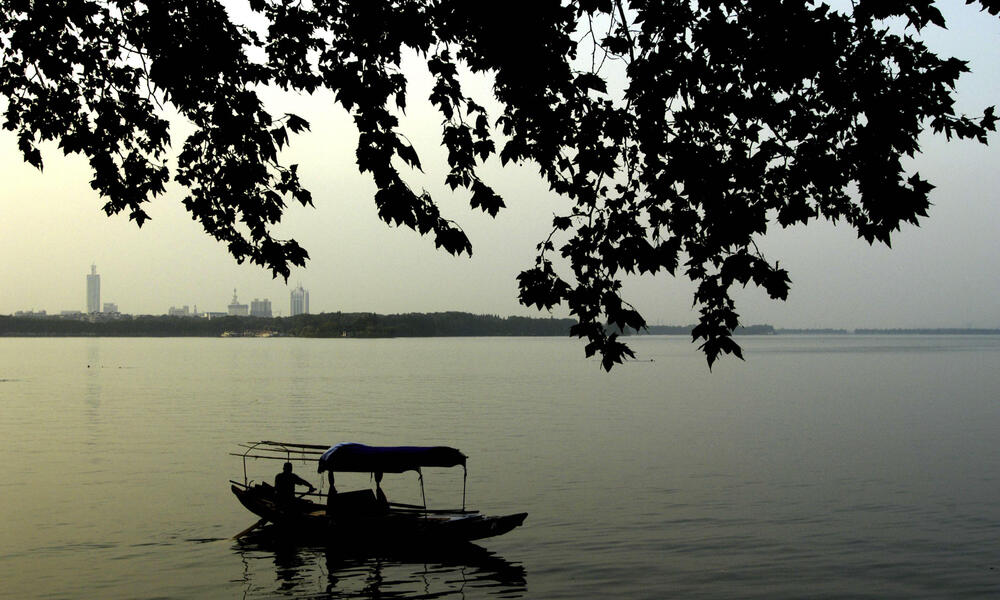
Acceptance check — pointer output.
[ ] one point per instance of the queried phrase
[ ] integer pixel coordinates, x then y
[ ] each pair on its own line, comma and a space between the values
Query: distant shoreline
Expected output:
372, 325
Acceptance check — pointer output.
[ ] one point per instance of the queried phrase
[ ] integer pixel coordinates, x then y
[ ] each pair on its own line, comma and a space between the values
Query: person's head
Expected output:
378, 477
287, 468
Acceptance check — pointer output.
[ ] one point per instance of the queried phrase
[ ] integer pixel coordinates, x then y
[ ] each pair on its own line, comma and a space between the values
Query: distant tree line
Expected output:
325, 325
687, 329
126, 326
372, 325
941, 331
820, 331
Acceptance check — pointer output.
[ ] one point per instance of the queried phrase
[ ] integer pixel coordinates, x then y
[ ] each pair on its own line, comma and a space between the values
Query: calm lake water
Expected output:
822, 467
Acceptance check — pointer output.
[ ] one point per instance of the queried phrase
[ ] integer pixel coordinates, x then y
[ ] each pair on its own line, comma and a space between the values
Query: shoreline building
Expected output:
236, 309
93, 291
260, 308
300, 301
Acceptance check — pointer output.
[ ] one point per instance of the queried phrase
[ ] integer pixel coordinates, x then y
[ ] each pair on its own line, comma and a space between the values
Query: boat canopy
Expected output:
359, 458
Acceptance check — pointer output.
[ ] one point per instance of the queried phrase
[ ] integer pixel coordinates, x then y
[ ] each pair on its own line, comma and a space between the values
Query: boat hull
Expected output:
305, 518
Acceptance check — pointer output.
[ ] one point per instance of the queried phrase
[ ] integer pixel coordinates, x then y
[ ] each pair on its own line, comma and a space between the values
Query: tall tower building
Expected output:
93, 291
236, 309
300, 301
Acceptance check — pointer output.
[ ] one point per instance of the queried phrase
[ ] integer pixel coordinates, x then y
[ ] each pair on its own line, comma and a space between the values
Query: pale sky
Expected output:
945, 273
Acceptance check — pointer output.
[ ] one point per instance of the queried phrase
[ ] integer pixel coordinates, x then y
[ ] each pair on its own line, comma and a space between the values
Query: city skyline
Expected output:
259, 307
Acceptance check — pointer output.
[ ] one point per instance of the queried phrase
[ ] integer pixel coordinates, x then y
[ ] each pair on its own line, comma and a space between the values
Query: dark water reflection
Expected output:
275, 567
823, 467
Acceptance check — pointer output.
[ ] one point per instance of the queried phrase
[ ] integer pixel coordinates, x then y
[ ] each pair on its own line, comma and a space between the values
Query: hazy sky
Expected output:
944, 274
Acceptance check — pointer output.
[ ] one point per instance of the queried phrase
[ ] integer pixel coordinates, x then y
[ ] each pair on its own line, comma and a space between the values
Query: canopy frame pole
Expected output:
423, 495
465, 475
246, 481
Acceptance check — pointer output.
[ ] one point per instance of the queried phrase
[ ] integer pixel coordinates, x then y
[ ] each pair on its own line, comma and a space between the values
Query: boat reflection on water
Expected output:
276, 566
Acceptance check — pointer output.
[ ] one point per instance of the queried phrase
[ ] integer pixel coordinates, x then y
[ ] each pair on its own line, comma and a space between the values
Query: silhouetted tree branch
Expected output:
736, 116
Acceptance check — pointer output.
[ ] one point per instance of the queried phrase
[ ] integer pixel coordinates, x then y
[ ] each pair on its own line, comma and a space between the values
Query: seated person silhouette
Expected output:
284, 485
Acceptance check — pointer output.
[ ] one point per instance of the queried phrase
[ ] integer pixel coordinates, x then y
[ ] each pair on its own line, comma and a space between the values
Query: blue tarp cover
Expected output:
388, 459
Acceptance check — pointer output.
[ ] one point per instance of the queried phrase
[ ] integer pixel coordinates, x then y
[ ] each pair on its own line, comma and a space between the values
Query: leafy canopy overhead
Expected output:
735, 115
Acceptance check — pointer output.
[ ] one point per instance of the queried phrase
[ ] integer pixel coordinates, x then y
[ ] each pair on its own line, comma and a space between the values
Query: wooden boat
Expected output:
362, 517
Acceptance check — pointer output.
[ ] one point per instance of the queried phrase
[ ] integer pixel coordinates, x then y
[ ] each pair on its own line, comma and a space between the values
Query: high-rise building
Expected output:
300, 301
260, 308
236, 309
93, 291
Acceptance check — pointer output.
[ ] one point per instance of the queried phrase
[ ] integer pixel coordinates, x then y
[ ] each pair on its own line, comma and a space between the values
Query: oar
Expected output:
249, 529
